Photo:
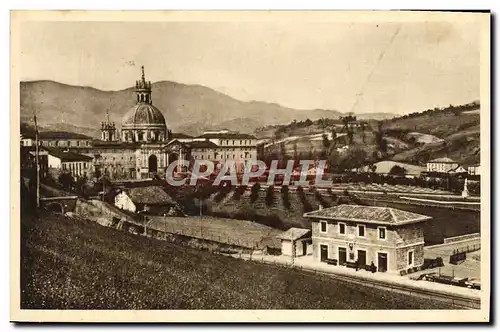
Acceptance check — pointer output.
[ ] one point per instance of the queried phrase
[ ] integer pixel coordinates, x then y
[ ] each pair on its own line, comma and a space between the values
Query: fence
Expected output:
375, 201
462, 238
467, 249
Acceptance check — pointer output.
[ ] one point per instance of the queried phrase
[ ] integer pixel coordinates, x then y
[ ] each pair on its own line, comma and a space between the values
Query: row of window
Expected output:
223, 150
360, 230
242, 142
221, 156
65, 143
74, 166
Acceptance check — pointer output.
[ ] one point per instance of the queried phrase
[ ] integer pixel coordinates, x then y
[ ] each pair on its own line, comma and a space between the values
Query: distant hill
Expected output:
455, 131
415, 138
188, 108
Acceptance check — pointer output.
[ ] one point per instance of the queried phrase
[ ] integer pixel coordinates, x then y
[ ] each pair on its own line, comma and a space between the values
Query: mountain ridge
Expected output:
188, 108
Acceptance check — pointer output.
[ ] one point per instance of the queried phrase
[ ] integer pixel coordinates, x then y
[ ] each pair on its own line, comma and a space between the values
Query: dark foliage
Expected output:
285, 197
254, 194
270, 196
306, 206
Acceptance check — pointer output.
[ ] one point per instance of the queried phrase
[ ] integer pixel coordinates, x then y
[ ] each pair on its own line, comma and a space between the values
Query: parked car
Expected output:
473, 283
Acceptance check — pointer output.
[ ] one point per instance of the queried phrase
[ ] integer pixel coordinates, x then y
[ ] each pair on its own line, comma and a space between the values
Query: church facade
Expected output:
144, 146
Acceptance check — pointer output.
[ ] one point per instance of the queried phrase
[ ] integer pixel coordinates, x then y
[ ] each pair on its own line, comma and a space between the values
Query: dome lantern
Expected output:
144, 122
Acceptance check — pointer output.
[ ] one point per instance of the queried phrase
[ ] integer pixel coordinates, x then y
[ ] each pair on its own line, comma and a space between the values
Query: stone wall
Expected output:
402, 256
410, 234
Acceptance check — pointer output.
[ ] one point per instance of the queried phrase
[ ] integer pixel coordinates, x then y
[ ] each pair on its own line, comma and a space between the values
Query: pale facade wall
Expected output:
441, 167
66, 143
122, 201
77, 168
53, 162
286, 247
474, 170
398, 241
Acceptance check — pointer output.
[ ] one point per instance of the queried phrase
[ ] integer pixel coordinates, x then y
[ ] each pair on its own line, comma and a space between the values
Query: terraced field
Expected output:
70, 264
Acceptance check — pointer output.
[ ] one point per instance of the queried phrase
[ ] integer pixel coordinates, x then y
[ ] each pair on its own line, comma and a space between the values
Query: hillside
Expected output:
452, 132
187, 108
416, 138
78, 264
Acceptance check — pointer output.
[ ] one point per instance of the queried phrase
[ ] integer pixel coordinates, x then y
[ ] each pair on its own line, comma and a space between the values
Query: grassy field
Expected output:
232, 231
69, 264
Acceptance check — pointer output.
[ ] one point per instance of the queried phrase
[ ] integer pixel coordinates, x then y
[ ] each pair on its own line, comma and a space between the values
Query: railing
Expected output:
460, 238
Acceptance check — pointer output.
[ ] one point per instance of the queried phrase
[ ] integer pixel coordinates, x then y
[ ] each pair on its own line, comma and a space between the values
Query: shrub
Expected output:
306, 206
270, 196
285, 196
238, 192
254, 195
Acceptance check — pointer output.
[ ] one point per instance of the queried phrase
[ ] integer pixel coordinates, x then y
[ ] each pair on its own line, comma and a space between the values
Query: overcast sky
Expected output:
359, 67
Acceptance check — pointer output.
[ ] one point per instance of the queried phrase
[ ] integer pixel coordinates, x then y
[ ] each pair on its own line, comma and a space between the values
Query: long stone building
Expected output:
144, 145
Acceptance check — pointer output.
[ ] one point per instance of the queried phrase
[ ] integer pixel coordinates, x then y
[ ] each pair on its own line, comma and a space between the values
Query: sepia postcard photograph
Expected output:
250, 166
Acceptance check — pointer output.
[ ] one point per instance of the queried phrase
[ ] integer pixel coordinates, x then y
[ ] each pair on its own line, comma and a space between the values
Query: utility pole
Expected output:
37, 165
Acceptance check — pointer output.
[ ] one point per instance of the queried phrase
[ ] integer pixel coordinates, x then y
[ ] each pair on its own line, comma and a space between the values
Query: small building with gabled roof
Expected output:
298, 238
441, 165
391, 239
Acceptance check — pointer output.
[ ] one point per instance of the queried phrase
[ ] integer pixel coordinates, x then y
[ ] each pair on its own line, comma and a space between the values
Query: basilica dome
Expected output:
144, 116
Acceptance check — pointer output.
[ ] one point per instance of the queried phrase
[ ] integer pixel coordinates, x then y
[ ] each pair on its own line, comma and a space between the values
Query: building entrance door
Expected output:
152, 164
342, 255
362, 257
382, 262
324, 252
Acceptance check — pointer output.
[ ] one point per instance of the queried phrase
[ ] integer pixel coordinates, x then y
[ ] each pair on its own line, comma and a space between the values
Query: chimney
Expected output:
320, 207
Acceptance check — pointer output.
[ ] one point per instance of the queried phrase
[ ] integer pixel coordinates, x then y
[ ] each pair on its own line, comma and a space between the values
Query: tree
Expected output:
285, 196
363, 134
334, 137
333, 161
66, 180
326, 142
270, 196
254, 192
397, 170
383, 146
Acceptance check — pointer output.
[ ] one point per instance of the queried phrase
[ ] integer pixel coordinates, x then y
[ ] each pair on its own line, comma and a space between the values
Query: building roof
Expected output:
142, 116
368, 214
180, 135
202, 145
442, 160
61, 135
65, 155
98, 144
294, 234
458, 169
149, 195
228, 136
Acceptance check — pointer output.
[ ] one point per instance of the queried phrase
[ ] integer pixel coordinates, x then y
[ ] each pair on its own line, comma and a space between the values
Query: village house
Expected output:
474, 169
57, 139
76, 164
459, 170
441, 165
150, 199
298, 238
28, 160
390, 238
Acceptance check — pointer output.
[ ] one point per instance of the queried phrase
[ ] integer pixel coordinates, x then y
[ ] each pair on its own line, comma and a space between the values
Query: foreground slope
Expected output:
79, 265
